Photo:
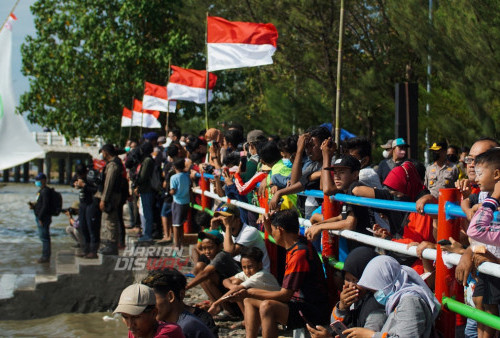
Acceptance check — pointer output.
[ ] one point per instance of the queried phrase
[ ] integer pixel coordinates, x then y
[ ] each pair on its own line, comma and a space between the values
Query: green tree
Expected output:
89, 58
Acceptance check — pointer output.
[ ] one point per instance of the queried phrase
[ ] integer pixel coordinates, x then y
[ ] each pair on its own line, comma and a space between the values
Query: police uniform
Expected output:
440, 177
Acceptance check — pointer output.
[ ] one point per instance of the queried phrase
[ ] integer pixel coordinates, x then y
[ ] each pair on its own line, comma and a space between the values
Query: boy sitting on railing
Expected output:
353, 217
482, 230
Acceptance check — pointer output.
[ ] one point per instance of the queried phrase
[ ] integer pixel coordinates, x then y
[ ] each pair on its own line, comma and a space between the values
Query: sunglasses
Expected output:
469, 159
223, 208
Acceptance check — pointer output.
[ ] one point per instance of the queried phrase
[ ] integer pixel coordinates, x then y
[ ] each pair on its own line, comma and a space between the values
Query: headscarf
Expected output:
405, 179
356, 261
214, 135
386, 274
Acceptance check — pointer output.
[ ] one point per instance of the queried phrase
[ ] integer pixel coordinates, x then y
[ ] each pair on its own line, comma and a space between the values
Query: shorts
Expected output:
310, 312
179, 214
479, 288
166, 209
491, 290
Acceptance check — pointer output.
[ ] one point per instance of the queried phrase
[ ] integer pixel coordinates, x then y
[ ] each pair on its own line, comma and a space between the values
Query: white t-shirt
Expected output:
261, 280
250, 237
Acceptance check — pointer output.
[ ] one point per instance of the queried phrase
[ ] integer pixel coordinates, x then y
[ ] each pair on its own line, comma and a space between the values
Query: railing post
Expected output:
329, 243
204, 187
446, 284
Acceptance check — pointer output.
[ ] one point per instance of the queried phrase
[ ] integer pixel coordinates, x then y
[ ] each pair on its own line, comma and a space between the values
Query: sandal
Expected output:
226, 317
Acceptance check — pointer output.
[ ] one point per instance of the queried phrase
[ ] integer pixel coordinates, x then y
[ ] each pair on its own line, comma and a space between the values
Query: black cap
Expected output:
346, 161
109, 148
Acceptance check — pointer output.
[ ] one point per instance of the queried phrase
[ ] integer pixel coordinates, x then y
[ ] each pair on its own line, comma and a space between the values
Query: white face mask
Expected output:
100, 157
386, 153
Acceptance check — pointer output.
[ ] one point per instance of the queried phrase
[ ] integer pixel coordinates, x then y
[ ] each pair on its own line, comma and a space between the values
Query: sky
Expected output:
23, 27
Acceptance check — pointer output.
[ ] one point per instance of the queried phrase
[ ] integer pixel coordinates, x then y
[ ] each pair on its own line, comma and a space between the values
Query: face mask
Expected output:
381, 297
385, 153
287, 162
210, 143
101, 157
127, 149
452, 158
38, 184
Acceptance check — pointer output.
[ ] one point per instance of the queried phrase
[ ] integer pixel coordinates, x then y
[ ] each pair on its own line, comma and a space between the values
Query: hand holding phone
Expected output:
444, 242
338, 327
305, 319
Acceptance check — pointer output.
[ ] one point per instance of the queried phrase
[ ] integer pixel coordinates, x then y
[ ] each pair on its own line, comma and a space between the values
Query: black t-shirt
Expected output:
364, 217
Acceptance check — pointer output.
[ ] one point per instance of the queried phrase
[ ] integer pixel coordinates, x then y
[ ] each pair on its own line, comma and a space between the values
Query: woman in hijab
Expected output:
409, 303
357, 307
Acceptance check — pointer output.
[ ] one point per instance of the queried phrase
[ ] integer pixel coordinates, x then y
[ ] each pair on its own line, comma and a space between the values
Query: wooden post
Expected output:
26, 172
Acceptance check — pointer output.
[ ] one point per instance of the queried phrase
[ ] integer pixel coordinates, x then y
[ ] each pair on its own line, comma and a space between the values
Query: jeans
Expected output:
147, 200
44, 235
471, 329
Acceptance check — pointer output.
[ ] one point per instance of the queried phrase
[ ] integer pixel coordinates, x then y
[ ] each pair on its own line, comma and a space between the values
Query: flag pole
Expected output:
11, 11
168, 101
339, 76
206, 82
131, 120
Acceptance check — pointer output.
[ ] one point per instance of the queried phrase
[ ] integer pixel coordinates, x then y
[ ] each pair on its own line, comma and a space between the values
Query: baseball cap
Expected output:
214, 235
437, 146
109, 148
227, 209
151, 136
346, 161
135, 299
255, 136
399, 142
387, 145
40, 176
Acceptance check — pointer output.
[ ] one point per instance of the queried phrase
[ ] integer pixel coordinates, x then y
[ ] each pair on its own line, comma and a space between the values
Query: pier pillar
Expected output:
26, 172
69, 167
17, 174
47, 167
39, 165
60, 162
6, 175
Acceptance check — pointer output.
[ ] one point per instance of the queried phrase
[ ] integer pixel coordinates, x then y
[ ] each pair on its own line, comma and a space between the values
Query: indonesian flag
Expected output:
233, 44
189, 85
155, 98
126, 117
144, 118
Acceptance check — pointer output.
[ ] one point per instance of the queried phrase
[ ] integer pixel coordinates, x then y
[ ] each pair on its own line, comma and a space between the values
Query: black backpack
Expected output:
56, 202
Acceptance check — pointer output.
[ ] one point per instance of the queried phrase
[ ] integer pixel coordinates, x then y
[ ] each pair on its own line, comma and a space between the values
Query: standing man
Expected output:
43, 216
145, 191
110, 195
399, 152
441, 173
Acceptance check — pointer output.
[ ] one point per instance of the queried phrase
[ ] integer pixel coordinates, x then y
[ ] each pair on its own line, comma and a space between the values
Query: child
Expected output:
213, 266
346, 172
252, 276
487, 166
179, 189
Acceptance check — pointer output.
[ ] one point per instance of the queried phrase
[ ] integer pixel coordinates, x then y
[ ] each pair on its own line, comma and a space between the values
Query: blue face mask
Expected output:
287, 162
381, 297
127, 149
38, 184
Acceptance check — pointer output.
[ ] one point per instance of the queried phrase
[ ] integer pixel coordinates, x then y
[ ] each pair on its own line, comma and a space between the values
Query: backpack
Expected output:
156, 183
56, 202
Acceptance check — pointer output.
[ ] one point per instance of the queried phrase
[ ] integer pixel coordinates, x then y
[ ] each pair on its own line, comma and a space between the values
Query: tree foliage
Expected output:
89, 58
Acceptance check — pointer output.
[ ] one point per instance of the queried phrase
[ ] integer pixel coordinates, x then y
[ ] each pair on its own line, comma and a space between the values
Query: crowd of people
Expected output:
384, 294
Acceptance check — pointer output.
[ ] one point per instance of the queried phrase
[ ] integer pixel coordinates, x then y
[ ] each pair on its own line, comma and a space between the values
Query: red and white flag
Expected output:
126, 117
189, 85
233, 44
155, 98
144, 118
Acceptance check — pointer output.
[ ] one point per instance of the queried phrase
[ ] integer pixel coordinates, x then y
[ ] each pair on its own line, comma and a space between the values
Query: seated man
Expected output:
213, 266
304, 286
169, 286
137, 306
238, 234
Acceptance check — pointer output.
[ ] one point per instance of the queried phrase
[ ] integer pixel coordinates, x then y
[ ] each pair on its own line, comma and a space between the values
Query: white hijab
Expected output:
386, 274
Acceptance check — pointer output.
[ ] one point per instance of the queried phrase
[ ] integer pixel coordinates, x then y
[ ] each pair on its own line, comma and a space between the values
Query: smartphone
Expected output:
305, 320
370, 230
338, 327
226, 297
444, 242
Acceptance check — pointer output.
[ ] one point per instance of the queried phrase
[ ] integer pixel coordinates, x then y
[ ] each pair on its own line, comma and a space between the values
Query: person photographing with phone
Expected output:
43, 216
